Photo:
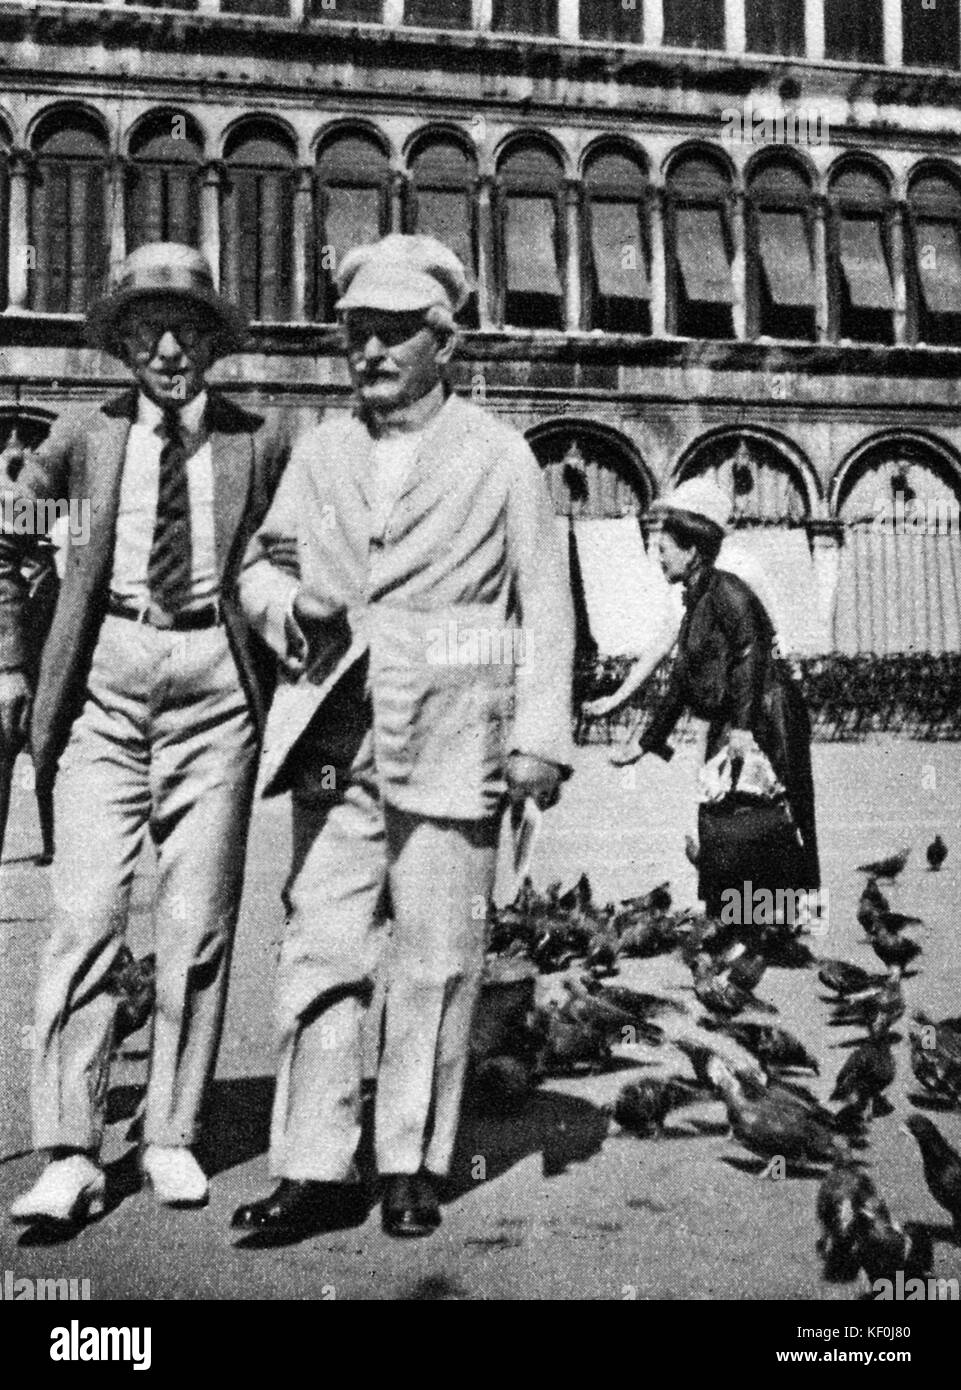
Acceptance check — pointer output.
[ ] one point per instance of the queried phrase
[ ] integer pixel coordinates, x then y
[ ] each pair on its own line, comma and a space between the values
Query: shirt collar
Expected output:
150, 415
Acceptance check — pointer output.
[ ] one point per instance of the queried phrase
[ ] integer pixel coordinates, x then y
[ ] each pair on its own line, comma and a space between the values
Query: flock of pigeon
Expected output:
770, 1112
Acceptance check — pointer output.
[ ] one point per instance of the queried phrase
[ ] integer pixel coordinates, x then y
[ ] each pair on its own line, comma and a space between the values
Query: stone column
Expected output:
893, 39
485, 252
398, 186
898, 275
212, 6
739, 264
481, 14
814, 29
297, 9
117, 214
393, 13
735, 26
210, 215
655, 204
18, 246
572, 202
827, 538
653, 23
569, 19
821, 311
303, 211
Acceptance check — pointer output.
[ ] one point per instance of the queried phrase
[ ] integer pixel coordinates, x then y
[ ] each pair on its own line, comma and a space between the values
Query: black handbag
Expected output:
747, 839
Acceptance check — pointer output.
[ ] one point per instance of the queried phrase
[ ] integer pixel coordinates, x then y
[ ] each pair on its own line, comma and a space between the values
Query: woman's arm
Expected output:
662, 639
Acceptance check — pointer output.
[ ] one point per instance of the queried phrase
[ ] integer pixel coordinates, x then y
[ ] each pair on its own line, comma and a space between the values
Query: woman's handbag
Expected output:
746, 830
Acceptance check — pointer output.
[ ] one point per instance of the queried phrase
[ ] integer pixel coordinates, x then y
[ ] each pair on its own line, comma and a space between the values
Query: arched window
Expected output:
899, 582
351, 207
616, 280
346, 11
163, 182
930, 37
441, 202
524, 16
265, 9
613, 21
854, 30
699, 248
860, 288
934, 204
68, 217
257, 218
438, 14
780, 263
531, 238
775, 26
694, 23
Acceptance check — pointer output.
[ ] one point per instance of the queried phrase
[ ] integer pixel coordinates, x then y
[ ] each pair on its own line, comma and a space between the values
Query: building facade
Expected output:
714, 235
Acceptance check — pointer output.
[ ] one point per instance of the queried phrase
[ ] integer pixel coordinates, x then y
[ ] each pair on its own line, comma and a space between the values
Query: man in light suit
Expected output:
432, 632
151, 696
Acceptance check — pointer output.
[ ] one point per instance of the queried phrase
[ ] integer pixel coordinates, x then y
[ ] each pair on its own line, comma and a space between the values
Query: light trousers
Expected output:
164, 745
349, 846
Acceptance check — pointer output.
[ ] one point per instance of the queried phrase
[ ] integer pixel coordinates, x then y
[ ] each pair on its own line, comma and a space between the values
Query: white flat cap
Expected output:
402, 274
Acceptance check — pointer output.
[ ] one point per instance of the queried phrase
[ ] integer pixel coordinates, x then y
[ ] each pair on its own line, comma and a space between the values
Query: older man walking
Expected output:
432, 627
151, 696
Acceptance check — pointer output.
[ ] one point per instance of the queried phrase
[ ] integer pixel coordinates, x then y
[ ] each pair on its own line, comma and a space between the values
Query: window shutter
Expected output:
531, 247
786, 258
864, 264
702, 255
620, 265
939, 266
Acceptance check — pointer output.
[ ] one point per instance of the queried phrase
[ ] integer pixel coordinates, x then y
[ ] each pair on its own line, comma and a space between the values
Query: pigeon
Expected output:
937, 853
886, 868
894, 950
884, 1247
842, 977
942, 1166
719, 994
746, 971
133, 982
642, 1107
776, 1123
692, 850
775, 1048
636, 1002
894, 921
567, 1045
877, 1008
871, 902
865, 1076
842, 1197
936, 1057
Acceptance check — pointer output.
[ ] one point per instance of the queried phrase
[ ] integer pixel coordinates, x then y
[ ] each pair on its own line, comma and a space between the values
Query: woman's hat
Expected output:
166, 267
700, 498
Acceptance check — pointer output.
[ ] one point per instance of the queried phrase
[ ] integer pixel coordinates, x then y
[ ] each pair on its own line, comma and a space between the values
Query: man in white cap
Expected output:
151, 696
433, 628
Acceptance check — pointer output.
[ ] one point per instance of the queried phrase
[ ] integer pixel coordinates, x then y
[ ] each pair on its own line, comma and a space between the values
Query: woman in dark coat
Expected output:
728, 672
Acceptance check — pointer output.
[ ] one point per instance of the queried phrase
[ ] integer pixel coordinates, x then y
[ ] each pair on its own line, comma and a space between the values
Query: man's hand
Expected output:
533, 777
604, 704
14, 711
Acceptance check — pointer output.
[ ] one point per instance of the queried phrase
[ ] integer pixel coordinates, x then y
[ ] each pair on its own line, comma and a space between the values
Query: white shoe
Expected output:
175, 1175
68, 1192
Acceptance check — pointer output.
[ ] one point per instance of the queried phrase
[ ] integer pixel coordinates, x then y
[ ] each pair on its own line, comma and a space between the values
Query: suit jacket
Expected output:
461, 611
83, 459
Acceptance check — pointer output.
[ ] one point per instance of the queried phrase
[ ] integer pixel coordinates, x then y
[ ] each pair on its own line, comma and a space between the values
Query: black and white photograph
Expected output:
480, 663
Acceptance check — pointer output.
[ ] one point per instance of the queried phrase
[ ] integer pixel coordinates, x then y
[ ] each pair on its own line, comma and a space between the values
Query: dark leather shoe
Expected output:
296, 1209
409, 1206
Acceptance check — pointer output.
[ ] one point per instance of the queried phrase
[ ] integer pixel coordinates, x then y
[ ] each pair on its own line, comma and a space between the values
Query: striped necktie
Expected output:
169, 567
